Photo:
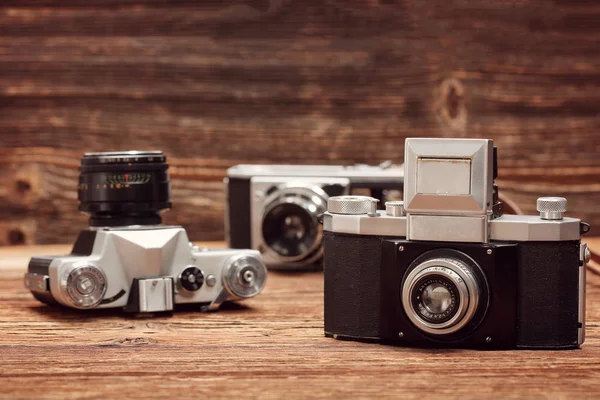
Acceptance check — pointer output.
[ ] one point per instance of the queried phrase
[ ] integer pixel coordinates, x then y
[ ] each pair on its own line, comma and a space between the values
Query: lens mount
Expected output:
83, 286
441, 294
124, 188
290, 228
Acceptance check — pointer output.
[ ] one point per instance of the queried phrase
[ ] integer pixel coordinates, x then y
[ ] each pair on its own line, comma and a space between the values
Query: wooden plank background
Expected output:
215, 83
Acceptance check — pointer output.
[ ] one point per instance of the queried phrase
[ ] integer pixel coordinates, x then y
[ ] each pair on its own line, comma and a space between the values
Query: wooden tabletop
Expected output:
271, 346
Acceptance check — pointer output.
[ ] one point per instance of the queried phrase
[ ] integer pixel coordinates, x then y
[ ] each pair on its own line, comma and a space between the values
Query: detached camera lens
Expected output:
124, 188
442, 294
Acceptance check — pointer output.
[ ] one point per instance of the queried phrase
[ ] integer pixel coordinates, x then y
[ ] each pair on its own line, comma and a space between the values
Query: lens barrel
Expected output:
290, 228
444, 292
124, 188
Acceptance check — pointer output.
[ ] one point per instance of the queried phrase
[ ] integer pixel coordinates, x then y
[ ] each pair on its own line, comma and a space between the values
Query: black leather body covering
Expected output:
352, 285
548, 295
238, 207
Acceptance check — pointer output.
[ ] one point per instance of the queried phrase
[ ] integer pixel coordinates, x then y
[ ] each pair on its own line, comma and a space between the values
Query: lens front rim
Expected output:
105, 159
456, 271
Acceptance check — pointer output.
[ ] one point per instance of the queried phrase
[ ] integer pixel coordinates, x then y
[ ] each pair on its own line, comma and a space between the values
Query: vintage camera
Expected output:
127, 259
446, 267
275, 208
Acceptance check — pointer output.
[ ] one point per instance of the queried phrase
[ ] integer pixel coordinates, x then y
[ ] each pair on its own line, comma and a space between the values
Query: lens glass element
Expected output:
435, 299
290, 229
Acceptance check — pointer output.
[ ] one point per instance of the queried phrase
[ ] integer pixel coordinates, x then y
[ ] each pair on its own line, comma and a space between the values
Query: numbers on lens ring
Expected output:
124, 180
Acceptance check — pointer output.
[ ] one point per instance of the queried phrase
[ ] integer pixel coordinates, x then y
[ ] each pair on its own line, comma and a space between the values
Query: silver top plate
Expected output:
394, 173
521, 228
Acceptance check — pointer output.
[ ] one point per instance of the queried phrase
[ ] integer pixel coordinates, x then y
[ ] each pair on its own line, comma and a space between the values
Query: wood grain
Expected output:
215, 83
269, 347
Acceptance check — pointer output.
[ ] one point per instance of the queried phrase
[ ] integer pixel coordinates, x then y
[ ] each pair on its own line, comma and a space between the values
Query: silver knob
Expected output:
394, 208
245, 276
352, 205
551, 208
84, 286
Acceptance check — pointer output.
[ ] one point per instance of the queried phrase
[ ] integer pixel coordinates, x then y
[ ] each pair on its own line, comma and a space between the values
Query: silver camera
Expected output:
275, 208
447, 267
127, 259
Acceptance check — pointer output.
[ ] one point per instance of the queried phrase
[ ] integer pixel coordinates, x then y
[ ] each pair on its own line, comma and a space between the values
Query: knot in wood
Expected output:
451, 105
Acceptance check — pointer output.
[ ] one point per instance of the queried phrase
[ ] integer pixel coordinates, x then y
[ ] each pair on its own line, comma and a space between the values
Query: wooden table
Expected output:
269, 347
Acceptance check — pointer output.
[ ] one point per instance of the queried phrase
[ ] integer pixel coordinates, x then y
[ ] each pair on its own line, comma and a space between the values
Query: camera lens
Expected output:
441, 294
124, 188
290, 226
289, 230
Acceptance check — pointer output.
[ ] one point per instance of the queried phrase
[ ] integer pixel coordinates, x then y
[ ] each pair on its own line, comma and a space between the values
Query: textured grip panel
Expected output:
547, 313
352, 285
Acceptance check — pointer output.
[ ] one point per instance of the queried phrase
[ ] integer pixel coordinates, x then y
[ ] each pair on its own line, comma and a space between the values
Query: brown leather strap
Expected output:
509, 205
594, 264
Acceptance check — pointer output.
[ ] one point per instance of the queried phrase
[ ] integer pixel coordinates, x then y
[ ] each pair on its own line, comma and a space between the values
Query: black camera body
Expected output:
402, 277
532, 292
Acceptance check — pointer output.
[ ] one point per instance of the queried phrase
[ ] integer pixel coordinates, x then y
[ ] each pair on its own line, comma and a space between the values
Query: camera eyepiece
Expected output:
124, 188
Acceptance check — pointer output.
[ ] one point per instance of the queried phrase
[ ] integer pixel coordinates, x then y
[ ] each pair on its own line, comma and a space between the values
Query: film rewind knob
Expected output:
551, 208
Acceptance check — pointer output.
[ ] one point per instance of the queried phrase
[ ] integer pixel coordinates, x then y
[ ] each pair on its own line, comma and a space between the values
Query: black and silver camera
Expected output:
127, 258
446, 267
275, 208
